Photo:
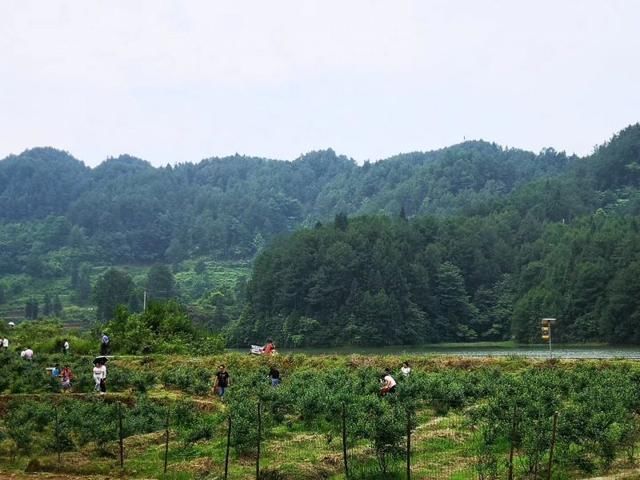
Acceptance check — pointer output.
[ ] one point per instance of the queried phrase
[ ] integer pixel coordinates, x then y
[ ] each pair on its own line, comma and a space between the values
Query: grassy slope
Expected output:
191, 285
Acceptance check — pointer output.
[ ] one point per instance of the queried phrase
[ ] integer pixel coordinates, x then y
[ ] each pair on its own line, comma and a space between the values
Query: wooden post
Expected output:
57, 437
553, 444
121, 438
166, 441
344, 441
259, 435
408, 445
512, 447
226, 456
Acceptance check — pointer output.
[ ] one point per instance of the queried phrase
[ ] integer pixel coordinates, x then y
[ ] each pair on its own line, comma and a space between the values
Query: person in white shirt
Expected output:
406, 369
388, 384
27, 354
100, 376
65, 346
5, 344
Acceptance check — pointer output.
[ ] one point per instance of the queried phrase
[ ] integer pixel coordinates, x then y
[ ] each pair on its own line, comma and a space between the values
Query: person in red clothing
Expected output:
67, 377
269, 348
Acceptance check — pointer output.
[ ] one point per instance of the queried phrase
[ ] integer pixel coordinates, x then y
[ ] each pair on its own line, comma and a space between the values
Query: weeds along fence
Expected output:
264, 439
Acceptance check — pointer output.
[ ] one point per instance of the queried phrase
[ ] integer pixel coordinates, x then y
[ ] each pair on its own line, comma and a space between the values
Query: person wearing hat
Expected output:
100, 375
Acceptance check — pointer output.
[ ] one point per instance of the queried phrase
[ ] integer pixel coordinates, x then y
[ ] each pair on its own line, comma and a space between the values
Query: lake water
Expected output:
535, 351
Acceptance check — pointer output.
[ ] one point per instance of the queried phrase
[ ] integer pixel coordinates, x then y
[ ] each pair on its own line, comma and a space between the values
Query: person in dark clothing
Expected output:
105, 346
222, 381
274, 375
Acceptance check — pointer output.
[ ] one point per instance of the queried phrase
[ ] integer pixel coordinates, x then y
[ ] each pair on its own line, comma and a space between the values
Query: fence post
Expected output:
553, 444
259, 438
166, 440
226, 455
512, 441
408, 444
120, 436
57, 433
344, 441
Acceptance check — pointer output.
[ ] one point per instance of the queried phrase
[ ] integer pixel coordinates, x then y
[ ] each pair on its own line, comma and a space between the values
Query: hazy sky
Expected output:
176, 81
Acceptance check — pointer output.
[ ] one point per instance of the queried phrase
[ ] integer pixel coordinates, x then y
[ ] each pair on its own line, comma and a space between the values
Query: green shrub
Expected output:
120, 378
192, 380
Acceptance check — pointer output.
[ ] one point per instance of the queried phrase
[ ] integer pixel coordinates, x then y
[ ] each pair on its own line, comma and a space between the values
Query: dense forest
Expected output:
566, 246
377, 281
470, 242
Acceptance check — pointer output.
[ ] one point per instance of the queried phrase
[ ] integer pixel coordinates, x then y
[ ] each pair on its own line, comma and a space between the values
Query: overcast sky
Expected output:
176, 81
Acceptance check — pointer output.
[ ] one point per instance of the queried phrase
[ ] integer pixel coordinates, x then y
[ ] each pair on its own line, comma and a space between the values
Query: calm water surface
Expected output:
541, 351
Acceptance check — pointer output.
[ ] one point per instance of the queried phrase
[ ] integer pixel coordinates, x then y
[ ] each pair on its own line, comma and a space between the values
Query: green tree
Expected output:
200, 267
83, 285
621, 320
454, 308
56, 306
258, 243
77, 238
31, 309
160, 283
341, 221
114, 287
47, 309
74, 275
176, 251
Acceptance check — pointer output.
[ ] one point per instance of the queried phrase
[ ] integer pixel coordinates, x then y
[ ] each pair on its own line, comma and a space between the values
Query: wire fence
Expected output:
171, 439
449, 446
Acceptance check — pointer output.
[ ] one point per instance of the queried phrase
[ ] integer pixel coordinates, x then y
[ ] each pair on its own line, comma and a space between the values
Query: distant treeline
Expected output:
127, 211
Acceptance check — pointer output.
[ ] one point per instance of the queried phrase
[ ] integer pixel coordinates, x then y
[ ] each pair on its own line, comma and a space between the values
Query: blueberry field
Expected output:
450, 418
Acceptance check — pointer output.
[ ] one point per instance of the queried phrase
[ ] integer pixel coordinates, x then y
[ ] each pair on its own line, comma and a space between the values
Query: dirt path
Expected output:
126, 397
628, 475
48, 476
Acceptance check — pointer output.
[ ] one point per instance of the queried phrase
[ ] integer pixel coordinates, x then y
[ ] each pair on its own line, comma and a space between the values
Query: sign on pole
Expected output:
546, 324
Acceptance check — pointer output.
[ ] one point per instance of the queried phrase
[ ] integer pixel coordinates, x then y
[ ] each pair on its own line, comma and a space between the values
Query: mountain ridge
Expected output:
224, 206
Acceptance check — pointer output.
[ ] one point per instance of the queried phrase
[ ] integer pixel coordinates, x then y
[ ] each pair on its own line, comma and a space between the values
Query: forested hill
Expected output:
565, 247
125, 210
